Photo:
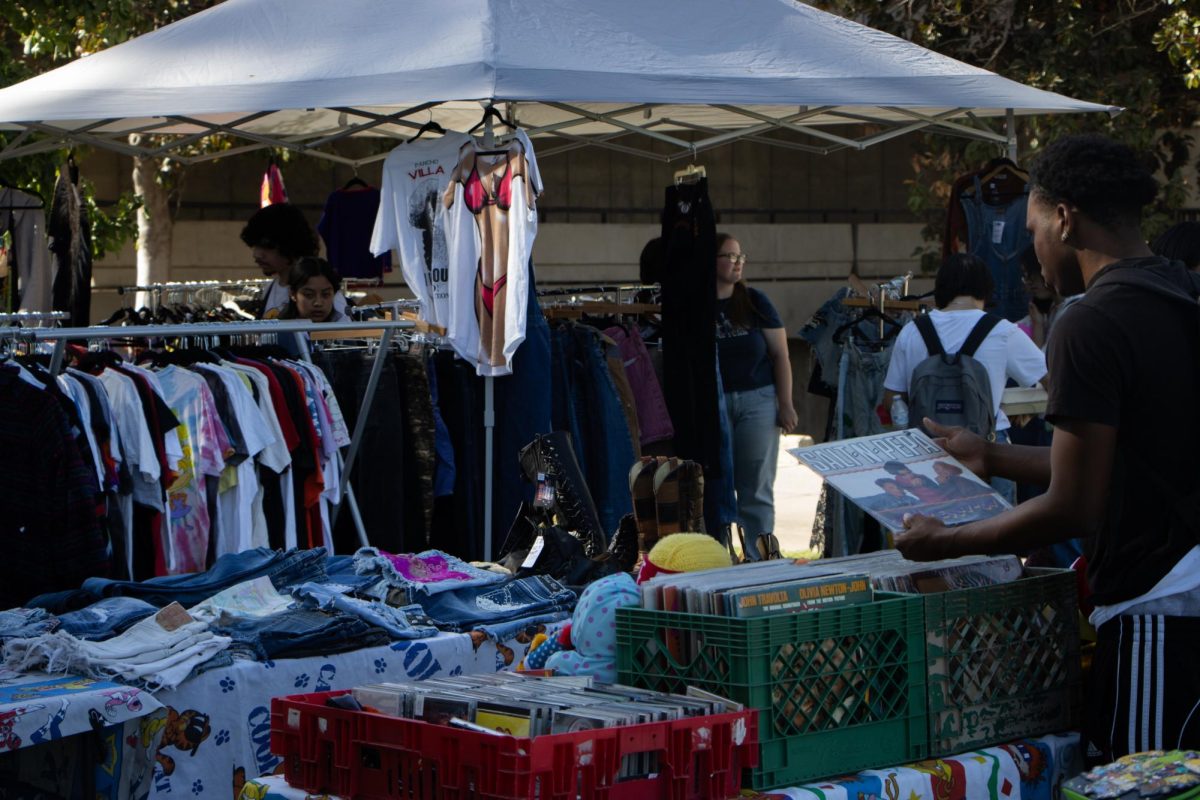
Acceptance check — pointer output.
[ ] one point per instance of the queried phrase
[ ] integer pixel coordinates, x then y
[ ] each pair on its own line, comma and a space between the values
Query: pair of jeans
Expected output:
339, 570
863, 389
430, 572
467, 608
720, 493
997, 235
608, 453
408, 622
654, 422
443, 475
299, 632
753, 417
503, 631
106, 618
522, 402
284, 568
26, 623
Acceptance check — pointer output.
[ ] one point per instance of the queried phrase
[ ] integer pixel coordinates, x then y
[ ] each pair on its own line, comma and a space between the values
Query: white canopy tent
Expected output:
301, 74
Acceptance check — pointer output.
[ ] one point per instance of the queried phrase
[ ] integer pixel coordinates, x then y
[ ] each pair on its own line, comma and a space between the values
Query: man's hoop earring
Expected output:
1064, 236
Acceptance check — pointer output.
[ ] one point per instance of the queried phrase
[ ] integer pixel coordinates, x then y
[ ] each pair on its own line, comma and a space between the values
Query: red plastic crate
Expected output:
357, 755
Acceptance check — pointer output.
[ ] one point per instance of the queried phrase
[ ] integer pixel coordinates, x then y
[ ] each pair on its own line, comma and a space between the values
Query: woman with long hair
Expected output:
757, 377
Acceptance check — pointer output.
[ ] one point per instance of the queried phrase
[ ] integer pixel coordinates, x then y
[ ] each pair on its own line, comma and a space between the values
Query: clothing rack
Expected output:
172, 286
61, 336
18, 317
620, 290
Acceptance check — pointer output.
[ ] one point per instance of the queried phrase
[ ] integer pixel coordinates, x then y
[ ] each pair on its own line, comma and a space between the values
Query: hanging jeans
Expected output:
997, 235
608, 453
522, 412
489, 605
753, 419
720, 501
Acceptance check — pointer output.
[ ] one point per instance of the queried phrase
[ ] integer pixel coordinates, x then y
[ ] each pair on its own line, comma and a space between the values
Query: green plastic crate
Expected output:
838, 690
1003, 661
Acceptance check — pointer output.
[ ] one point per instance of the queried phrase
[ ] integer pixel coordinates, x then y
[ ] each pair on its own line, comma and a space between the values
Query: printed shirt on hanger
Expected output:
411, 218
491, 224
205, 447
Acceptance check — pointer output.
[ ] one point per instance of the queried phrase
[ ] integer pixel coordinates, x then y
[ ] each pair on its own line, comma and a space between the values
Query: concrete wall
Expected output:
797, 266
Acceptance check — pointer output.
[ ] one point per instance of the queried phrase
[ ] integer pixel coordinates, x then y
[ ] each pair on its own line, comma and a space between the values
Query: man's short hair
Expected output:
881, 481
962, 274
1103, 178
895, 467
282, 227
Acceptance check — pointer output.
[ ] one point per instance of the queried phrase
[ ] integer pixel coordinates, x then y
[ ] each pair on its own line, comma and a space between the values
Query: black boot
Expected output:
553, 456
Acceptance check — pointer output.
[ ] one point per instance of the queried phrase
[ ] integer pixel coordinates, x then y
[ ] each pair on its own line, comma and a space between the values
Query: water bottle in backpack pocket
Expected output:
953, 388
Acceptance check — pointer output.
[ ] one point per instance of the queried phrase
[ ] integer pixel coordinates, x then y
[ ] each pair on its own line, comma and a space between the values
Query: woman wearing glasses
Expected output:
757, 376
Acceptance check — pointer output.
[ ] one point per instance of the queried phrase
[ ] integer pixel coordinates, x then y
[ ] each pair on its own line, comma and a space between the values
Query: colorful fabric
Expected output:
594, 629
429, 572
1031, 769
205, 447
218, 723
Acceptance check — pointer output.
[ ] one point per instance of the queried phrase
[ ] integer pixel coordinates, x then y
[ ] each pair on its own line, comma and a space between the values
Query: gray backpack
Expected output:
953, 389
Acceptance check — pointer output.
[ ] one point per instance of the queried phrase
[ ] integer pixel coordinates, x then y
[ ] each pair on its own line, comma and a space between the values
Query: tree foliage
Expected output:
40, 35
1142, 55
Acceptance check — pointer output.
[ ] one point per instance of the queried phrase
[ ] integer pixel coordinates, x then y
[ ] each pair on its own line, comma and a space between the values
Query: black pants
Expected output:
378, 471
689, 324
1144, 692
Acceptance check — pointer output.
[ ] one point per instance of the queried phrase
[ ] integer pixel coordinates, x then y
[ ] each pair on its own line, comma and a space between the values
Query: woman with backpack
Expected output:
952, 365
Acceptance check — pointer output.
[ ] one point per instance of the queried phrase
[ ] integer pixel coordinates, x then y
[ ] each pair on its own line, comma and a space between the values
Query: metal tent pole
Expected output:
360, 424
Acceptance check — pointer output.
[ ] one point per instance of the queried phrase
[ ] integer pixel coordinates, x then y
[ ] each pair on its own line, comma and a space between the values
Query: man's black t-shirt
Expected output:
1127, 357
742, 352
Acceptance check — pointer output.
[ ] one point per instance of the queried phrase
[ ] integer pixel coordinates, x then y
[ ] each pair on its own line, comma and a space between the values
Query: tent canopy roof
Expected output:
294, 72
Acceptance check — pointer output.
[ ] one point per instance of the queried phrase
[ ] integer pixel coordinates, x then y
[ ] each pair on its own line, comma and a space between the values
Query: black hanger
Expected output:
433, 127
869, 313
489, 111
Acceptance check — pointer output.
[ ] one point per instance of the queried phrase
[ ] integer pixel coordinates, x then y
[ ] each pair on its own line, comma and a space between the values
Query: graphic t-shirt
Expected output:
491, 224
411, 218
742, 351
205, 446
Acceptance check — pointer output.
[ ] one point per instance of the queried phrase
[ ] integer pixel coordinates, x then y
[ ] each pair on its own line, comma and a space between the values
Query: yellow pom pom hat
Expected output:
684, 552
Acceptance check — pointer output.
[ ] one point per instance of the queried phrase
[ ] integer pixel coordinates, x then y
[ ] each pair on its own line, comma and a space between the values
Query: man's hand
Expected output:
969, 448
924, 539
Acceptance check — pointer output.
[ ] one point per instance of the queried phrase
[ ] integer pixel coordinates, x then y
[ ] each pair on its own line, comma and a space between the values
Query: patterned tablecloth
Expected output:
40, 719
1032, 769
1026, 770
216, 730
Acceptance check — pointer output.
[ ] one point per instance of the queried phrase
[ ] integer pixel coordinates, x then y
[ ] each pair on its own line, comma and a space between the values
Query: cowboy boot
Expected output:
666, 497
691, 496
641, 487
572, 498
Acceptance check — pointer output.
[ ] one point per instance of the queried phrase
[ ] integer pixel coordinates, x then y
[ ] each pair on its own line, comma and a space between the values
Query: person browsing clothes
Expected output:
312, 290
278, 235
757, 375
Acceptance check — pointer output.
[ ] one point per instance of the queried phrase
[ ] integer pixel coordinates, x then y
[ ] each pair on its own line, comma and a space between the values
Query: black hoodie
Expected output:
1128, 355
